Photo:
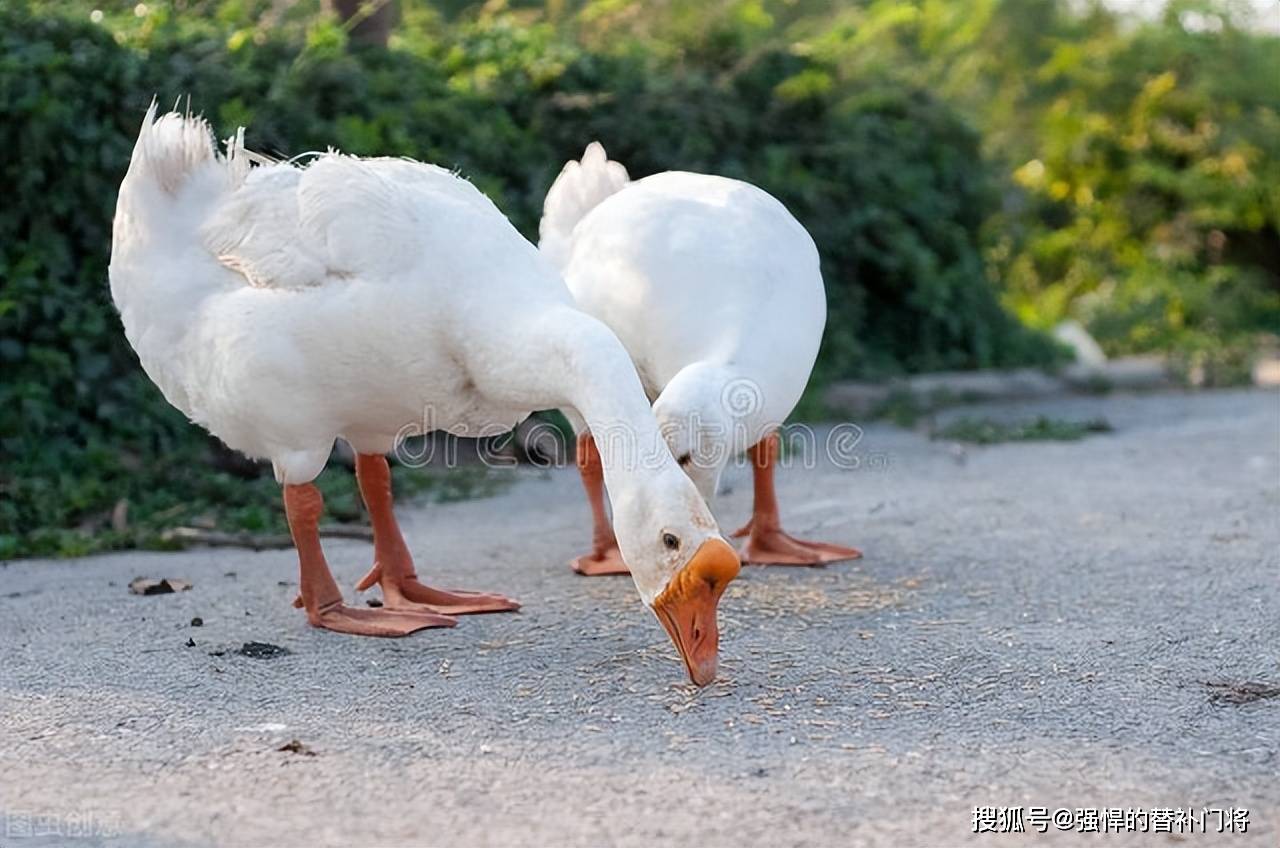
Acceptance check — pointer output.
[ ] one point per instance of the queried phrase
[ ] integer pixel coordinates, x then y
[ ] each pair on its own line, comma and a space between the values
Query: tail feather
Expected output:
176, 179
174, 146
582, 186
171, 147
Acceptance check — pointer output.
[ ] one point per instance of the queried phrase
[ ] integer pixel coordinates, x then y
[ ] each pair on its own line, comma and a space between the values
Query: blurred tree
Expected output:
1140, 159
367, 22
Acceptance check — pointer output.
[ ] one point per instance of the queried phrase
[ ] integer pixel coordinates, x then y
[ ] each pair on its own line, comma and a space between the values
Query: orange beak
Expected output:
687, 607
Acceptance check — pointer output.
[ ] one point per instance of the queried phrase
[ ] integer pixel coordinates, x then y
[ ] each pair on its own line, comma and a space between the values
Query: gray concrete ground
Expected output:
1034, 625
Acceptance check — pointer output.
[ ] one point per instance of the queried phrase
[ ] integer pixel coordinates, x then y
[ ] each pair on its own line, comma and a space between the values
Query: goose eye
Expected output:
683, 460
670, 540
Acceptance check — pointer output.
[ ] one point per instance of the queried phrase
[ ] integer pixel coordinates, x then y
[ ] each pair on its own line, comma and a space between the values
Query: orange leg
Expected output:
766, 541
392, 562
605, 558
320, 595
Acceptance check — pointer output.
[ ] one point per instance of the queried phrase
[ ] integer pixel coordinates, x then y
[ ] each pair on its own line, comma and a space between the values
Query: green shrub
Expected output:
75, 410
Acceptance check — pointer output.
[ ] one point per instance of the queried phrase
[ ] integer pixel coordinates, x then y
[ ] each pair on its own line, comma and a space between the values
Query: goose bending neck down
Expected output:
715, 291
282, 307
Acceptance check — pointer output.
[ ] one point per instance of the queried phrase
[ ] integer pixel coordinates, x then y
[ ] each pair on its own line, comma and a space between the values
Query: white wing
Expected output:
287, 227
255, 232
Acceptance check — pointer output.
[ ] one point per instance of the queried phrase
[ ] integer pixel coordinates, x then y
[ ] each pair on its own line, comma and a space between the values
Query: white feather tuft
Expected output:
172, 146
582, 186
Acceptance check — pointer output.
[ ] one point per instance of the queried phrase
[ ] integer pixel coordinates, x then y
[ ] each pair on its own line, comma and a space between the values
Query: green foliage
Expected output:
986, 432
1140, 160
73, 402
1157, 192
107, 501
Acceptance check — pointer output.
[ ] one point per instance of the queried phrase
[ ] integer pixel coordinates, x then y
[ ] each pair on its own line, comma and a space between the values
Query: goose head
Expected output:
679, 561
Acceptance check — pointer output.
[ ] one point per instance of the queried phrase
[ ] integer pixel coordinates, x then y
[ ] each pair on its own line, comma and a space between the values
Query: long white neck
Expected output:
607, 393
563, 358
577, 362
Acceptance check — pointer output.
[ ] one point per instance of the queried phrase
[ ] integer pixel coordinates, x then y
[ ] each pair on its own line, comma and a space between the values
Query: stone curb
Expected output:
1133, 373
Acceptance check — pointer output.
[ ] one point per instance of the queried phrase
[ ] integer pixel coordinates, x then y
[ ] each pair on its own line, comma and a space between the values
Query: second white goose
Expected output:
715, 291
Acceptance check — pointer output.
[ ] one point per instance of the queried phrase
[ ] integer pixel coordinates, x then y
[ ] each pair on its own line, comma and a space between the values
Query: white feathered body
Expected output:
690, 268
281, 307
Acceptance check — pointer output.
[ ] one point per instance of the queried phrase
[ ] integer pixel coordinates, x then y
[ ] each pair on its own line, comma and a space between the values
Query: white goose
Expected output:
282, 307
715, 291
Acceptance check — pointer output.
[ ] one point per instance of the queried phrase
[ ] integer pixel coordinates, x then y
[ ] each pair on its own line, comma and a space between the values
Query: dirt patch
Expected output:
262, 651
1238, 694
294, 746
157, 586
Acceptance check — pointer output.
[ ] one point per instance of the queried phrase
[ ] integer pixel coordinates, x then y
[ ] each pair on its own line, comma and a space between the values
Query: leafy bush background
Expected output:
953, 161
